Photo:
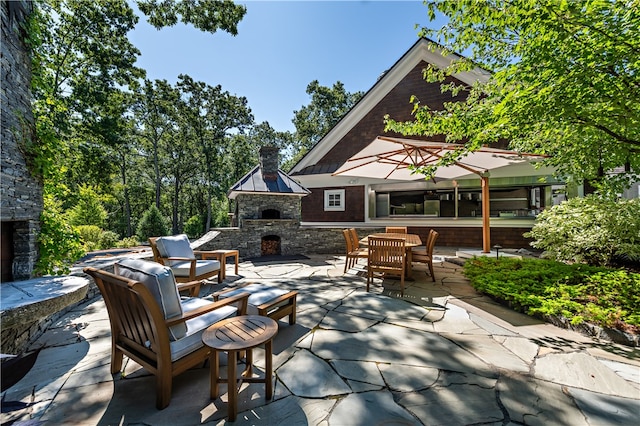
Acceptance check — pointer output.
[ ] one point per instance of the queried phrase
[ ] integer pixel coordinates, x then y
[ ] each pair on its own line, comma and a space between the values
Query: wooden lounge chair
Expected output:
176, 253
387, 256
152, 326
425, 254
396, 230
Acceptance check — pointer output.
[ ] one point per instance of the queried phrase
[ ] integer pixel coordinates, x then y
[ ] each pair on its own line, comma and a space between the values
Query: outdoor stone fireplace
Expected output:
268, 208
20, 193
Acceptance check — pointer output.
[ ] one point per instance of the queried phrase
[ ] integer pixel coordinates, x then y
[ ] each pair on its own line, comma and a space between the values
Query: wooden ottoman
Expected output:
265, 300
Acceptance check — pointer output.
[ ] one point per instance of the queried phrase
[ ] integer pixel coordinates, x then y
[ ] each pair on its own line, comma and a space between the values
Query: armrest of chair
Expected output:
216, 295
240, 298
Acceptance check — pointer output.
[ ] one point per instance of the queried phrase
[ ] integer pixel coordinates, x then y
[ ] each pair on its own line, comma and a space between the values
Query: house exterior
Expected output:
452, 207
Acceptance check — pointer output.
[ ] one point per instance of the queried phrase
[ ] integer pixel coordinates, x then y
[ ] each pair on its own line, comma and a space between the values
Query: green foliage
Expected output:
327, 106
602, 296
128, 242
205, 15
220, 212
591, 230
194, 226
90, 235
152, 224
563, 83
89, 209
108, 239
59, 244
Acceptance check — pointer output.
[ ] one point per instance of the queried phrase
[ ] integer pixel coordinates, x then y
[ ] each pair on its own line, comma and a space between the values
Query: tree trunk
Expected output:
127, 204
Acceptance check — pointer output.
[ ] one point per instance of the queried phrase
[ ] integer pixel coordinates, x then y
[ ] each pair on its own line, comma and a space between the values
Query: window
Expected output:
334, 200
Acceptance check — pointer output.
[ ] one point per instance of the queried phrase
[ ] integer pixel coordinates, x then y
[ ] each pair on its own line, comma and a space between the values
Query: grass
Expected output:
602, 296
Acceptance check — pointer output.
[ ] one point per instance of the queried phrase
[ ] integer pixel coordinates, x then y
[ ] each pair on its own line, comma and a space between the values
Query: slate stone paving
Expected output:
443, 355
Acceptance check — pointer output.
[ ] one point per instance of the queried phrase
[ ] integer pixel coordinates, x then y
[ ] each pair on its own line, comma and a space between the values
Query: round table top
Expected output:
410, 240
241, 332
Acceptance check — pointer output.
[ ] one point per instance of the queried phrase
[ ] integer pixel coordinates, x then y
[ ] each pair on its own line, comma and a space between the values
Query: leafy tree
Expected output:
152, 224
327, 106
564, 83
156, 114
83, 63
206, 15
212, 114
89, 210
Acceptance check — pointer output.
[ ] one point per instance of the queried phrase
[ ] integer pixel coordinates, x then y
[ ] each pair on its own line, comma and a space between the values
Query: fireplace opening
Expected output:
270, 214
270, 245
6, 252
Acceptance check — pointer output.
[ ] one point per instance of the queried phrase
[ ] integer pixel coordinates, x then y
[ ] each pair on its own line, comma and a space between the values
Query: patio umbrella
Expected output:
390, 158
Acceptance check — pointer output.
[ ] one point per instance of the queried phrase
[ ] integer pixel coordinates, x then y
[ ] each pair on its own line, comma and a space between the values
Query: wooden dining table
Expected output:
410, 241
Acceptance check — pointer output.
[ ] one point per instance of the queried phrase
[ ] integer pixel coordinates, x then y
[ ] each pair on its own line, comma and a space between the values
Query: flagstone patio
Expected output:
443, 355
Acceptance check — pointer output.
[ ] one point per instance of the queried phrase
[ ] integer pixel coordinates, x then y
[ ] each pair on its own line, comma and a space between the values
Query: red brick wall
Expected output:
397, 105
313, 206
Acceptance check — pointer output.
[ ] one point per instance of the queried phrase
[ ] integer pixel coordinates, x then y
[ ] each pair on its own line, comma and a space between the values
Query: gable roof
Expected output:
422, 50
255, 183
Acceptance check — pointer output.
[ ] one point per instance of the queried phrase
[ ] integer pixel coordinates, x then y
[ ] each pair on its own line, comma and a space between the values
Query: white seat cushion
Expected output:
159, 280
196, 326
258, 294
175, 246
181, 269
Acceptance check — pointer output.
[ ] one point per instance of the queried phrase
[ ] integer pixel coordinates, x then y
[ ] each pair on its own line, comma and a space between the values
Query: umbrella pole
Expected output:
486, 237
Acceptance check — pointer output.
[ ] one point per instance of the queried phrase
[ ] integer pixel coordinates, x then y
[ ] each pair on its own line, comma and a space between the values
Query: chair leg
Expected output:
346, 264
433, 277
163, 388
116, 359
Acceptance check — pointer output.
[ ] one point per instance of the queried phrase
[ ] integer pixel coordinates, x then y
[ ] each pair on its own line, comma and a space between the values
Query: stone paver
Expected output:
443, 355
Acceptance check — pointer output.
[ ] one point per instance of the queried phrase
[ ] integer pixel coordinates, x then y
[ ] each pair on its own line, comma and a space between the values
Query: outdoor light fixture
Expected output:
497, 247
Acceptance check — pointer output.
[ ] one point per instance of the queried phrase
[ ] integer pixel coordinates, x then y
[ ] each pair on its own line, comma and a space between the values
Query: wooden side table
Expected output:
222, 256
233, 335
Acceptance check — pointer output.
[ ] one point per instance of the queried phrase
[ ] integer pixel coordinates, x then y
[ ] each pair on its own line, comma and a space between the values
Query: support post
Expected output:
486, 221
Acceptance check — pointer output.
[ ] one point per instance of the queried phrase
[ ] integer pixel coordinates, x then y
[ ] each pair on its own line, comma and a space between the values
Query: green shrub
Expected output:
152, 224
194, 227
603, 296
88, 210
128, 242
590, 230
108, 239
90, 235
59, 243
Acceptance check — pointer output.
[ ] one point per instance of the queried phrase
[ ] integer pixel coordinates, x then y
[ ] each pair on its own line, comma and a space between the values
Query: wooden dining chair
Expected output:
387, 256
425, 254
353, 249
396, 229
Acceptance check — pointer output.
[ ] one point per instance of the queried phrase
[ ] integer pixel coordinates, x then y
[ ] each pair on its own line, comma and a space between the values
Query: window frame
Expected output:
328, 193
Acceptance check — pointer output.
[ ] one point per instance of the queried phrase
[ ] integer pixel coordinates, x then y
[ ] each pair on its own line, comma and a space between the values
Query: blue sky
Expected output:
282, 46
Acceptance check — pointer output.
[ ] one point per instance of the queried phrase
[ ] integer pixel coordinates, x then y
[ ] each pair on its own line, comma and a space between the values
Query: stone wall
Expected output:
251, 206
20, 193
295, 239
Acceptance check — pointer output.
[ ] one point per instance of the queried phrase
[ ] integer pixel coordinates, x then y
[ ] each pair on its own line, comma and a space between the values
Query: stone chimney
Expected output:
269, 163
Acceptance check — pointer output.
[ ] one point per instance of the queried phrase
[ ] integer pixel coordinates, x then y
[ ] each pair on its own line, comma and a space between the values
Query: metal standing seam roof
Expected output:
254, 182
